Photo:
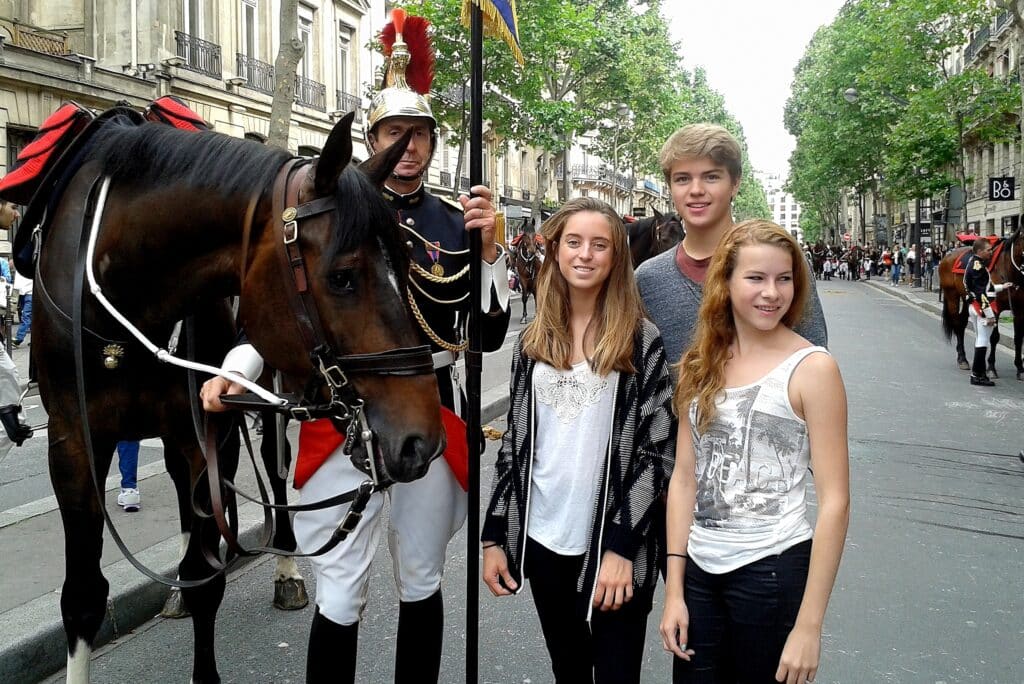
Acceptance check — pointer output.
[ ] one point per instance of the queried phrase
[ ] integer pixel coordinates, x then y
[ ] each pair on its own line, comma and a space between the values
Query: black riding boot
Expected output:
331, 658
978, 375
420, 630
15, 428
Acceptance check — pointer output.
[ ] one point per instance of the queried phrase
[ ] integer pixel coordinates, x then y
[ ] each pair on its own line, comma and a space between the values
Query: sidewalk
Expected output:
32, 641
929, 301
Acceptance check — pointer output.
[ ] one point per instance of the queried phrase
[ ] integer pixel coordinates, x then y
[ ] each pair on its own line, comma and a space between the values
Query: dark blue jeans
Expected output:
739, 621
128, 464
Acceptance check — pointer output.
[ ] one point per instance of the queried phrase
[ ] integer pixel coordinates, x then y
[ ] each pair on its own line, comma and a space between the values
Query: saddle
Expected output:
47, 164
960, 265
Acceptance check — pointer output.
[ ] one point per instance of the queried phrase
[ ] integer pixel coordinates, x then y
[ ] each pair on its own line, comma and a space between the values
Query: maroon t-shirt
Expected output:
694, 269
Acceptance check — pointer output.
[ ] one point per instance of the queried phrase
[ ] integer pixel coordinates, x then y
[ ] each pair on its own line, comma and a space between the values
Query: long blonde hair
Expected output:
702, 368
618, 310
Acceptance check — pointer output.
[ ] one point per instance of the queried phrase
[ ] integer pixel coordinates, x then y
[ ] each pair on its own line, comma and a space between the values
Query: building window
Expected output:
306, 36
345, 34
250, 43
193, 14
309, 151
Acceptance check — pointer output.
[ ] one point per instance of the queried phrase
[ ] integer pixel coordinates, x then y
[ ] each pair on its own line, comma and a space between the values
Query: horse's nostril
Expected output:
417, 451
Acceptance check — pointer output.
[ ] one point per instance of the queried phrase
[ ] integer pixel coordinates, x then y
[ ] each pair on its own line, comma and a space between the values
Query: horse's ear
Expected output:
335, 156
380, 165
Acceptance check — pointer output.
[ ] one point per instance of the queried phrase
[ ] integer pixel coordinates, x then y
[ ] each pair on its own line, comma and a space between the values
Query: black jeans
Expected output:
740, 620
610, 650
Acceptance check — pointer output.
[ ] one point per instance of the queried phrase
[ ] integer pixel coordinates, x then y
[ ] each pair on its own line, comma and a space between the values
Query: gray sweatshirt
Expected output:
673, 300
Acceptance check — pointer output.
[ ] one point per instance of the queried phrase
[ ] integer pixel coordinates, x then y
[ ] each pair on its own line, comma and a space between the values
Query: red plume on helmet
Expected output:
415, 31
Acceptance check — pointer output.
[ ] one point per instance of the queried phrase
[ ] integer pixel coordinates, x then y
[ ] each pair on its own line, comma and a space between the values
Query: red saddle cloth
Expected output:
174, 112
960, 265
318, 439
56, 133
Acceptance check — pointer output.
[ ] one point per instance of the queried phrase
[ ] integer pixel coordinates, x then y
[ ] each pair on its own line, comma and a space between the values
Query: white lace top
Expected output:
751, 474
573, 427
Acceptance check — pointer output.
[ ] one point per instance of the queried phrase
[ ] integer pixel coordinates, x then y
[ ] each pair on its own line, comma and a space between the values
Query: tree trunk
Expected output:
1018, 20
288, 56
961, 173
566, 192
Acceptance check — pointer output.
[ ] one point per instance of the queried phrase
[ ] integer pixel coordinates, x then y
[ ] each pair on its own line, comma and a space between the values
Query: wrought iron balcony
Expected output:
349, 103
446, 179
979, 41
260, 75
463, 183
526, 194
1002, 21
200, 55
310, 93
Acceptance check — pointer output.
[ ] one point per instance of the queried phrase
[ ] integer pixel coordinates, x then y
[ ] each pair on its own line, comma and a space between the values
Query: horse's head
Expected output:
355, 271
666, 233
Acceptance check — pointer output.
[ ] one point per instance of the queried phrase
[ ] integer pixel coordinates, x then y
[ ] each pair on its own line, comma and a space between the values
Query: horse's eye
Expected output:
342, 280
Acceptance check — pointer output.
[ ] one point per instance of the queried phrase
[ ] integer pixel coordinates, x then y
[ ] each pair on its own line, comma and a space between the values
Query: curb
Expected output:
1005, 337
32, 642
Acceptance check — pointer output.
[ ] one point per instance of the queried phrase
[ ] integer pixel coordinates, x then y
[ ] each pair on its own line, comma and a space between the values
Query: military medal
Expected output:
435, 255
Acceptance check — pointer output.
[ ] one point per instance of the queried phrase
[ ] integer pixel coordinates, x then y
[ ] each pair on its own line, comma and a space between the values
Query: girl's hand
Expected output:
675, 622
800, 656
614, 582
496, 571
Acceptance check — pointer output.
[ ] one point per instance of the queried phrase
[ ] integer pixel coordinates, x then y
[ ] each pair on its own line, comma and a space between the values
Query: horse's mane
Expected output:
156, 153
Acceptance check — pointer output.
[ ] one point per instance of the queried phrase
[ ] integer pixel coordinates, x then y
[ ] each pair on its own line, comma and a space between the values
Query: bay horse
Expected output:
653, 235
1005, 265
527, 256
188, 220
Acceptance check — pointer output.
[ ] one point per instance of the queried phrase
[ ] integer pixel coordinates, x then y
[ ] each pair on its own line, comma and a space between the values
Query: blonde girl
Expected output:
758, 407
589, 440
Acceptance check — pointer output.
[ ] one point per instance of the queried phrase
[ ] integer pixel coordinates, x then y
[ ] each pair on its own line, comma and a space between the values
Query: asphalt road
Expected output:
930, 589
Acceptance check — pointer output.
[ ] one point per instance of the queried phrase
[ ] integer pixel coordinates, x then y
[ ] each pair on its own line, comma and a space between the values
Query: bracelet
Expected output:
492, 544
676, 555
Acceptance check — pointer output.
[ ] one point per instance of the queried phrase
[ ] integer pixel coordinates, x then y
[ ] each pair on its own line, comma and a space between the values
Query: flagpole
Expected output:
474, 354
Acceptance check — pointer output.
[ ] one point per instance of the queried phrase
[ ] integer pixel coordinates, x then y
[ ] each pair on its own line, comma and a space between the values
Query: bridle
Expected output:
529, 260
329, 393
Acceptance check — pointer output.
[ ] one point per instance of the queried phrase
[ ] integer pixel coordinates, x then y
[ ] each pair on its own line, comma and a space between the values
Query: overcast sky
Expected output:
749, 49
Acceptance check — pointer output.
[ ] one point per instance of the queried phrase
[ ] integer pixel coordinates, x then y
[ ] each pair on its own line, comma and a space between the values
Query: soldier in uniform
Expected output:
424, 514
983, 311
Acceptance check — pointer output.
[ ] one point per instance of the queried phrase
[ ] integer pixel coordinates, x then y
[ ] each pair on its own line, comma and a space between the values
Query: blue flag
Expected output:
500, 21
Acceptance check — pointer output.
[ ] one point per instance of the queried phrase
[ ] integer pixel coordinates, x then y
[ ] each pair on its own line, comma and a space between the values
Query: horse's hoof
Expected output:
290, 594
522, 320
1020, 375
992, 371
174, 606
964, 365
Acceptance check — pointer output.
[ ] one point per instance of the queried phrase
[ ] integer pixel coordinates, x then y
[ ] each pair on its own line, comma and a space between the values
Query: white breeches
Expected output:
425, 515
983, 332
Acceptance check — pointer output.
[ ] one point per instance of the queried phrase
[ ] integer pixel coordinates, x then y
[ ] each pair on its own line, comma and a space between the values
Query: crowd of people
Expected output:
895, 265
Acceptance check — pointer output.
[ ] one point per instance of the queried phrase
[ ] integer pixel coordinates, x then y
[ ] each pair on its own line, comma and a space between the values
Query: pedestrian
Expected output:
589, 441
702, 164
898, 259
24, 287
129, 499
758, 406
424, 514
983, 309
911, 261
15, 430
828, 268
